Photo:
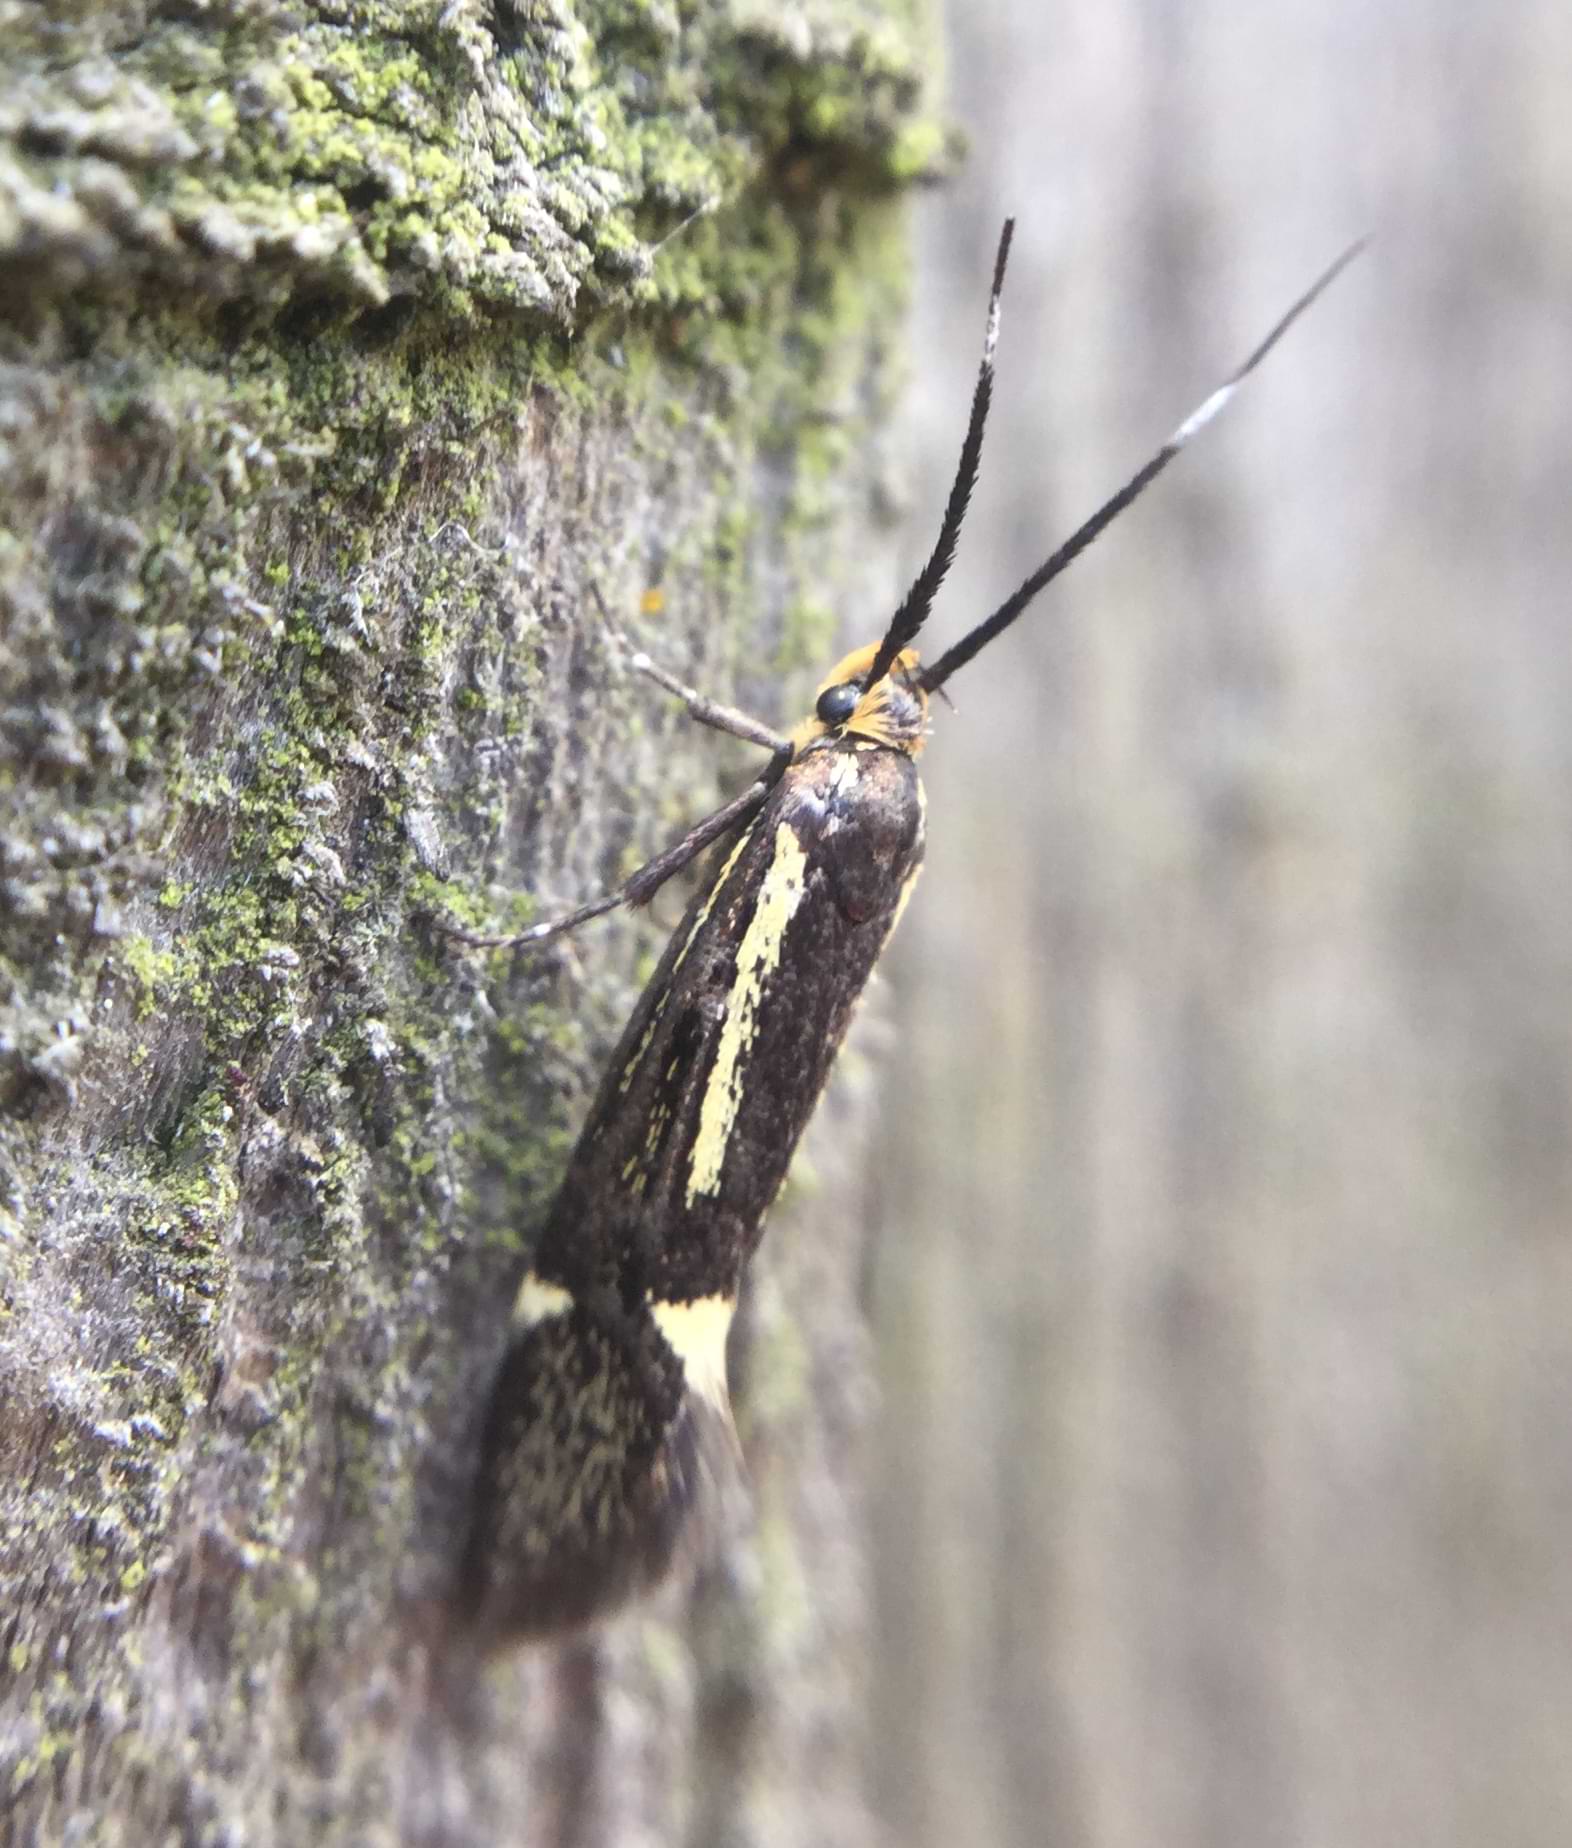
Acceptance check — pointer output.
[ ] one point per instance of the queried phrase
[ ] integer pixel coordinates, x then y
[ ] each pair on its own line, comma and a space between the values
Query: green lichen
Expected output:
302, 498
152, 971
364, 153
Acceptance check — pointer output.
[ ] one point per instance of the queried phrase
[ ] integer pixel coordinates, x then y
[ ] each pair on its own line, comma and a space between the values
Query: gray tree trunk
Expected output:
340, 355
1224, 1285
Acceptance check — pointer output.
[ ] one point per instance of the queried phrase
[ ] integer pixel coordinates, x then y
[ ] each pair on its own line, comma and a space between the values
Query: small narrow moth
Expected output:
610, 1409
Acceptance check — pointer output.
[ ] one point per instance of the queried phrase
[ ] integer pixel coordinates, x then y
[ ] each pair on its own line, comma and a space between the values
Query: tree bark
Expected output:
1225, 1480
341, 354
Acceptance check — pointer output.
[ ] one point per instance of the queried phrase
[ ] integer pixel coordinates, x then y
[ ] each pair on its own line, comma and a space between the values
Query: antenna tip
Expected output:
1340, 263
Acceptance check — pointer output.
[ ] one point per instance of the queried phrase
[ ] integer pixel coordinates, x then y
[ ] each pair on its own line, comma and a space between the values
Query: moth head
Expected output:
892, 711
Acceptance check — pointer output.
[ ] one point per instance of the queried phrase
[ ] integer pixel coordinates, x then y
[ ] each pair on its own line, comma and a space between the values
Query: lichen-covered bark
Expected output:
341, 351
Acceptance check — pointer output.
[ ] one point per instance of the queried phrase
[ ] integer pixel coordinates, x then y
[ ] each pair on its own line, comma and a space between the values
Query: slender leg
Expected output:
642, 886
707, 711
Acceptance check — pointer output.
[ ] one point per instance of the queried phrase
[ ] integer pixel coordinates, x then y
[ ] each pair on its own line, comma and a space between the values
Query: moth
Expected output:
610, 1410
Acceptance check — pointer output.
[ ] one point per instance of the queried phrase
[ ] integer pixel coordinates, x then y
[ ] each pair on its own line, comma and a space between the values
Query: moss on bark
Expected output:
340, 351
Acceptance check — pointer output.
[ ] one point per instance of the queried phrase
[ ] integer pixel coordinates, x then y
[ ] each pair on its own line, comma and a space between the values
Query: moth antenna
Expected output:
933, 677
699, 211
913, 612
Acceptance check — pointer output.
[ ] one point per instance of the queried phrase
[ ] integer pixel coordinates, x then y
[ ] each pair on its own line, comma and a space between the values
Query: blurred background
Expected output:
1224, 1278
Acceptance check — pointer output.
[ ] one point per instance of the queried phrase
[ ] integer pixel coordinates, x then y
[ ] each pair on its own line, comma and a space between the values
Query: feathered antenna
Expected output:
934, 676
913, 613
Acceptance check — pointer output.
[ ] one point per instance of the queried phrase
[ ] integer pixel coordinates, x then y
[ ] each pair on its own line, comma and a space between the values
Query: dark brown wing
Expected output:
611, 1407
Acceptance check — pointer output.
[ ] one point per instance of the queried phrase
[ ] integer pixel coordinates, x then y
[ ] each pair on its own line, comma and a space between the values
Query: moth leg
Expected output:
707, 711
641, 886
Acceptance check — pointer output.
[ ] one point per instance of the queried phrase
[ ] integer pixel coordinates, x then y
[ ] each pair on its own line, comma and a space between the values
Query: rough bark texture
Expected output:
340, 352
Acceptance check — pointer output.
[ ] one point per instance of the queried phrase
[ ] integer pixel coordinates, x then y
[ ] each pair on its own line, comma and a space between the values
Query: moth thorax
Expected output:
894, 712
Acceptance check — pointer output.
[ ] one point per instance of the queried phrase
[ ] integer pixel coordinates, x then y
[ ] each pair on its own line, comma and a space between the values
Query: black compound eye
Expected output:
837, 704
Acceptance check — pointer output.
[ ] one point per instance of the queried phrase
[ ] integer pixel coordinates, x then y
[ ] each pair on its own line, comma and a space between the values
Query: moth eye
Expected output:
837, 704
